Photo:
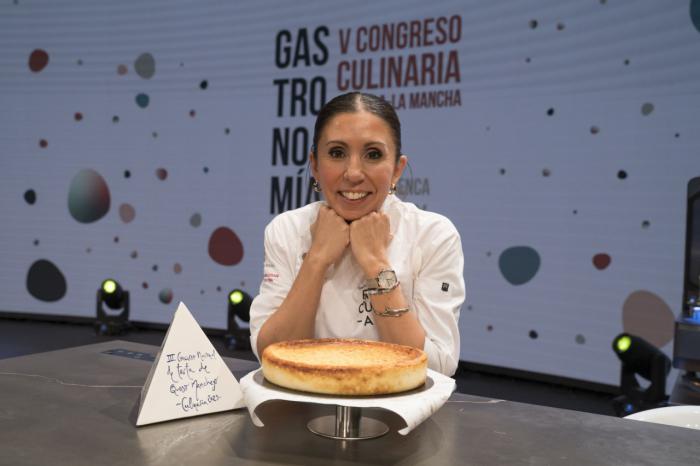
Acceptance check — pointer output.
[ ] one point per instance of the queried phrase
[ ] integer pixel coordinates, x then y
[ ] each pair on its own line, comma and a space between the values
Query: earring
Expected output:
392, 189
316, 187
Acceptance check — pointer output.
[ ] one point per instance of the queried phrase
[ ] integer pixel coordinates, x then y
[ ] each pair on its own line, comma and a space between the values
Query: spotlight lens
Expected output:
236, 297
109, 286
623, 344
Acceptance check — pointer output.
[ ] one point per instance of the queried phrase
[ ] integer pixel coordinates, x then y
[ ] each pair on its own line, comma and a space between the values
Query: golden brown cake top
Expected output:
341, 353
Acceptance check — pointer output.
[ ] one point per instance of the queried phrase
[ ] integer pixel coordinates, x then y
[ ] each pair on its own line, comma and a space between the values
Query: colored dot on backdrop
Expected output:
575, 212
144, 285
533, 23
580, 339
205, 169
88, 196
550, 112
116, 239
193, 113
489, 328
88, 250
646, 224
30, 196
45, 281
177, 268
218, 288
647, 315
145, 65
134, 254
161, 173
601, 261
115, 119
122, 69
154, 134
204, 84
560, 26
626, 62
519, 264
595, 130
546, 172
622, 174
79, 62
196, 220
533, 334
677, 135
695, 13
127, 174
225, 247
155, 267
227, 131
78, 116
36, 242
647, 108
502, 171
528, 59
165, 295
38, 60
127, 213
142, 100
43, 143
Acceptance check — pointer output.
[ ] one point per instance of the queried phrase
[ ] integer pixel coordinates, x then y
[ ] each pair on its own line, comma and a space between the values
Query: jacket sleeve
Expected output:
438, 295
278, 276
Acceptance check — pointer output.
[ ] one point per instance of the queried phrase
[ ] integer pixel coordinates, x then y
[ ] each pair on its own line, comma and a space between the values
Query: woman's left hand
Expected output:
369, 240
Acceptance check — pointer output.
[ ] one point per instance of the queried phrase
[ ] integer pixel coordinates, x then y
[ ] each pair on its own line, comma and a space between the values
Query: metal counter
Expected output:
77, 407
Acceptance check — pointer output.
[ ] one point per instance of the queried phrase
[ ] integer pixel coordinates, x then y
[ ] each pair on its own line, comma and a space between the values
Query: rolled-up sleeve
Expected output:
276, 283
438, 295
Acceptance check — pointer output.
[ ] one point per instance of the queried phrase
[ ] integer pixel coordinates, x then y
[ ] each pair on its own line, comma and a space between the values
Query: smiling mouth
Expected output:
353, 196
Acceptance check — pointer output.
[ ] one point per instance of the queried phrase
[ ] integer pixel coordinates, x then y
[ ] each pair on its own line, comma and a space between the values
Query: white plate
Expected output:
681, 416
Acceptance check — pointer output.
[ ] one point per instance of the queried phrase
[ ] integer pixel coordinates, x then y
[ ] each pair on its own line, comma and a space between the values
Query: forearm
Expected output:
404, 329
295, 318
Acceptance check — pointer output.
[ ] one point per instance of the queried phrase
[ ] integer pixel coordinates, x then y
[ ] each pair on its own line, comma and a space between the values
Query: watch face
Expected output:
386, 279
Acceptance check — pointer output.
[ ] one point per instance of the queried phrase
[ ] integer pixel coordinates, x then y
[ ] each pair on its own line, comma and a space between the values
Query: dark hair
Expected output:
354, 102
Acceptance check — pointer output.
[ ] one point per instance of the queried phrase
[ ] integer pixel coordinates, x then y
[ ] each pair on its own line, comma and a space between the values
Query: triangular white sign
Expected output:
188, 377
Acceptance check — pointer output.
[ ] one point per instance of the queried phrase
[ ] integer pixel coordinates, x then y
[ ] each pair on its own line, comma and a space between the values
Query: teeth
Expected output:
353, 196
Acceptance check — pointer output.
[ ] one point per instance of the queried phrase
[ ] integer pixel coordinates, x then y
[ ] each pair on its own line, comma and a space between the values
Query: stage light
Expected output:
239, 304
236, 297
640, 358
237, 335
623, 343
115, 298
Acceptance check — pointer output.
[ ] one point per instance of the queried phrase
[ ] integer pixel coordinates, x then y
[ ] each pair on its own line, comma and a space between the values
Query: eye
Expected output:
336, 153
374, 154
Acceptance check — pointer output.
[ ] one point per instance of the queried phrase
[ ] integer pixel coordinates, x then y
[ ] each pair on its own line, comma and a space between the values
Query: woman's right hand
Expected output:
330, 236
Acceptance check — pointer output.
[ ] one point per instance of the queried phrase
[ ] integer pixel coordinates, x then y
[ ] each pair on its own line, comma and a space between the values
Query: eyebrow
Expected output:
343, 143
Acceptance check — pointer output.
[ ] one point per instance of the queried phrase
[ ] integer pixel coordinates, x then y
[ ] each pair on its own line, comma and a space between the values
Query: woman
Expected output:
362, 264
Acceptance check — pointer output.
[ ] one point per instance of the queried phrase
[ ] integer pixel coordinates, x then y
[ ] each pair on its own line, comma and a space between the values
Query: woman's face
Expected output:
356, 163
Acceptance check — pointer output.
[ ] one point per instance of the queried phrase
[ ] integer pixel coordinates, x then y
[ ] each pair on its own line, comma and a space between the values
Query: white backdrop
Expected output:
559, 139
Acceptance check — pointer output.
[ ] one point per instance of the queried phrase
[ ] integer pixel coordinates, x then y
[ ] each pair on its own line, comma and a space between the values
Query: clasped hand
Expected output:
368, 238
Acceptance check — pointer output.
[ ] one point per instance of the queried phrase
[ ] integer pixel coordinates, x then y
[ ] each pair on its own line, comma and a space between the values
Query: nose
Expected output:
354, 170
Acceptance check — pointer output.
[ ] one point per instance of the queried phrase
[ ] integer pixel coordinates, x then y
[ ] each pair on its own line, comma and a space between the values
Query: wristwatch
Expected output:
384, 282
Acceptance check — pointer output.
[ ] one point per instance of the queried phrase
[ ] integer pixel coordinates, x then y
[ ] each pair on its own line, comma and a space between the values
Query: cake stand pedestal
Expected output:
347, 424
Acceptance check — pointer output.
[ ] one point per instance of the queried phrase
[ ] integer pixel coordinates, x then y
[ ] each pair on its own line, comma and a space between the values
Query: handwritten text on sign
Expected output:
192, 384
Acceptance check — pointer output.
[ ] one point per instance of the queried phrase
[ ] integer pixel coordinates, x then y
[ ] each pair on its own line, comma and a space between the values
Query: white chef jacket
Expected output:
426, 253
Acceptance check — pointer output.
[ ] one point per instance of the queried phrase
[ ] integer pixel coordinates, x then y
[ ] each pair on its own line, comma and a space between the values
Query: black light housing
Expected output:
238, 337
640, 357
110, 322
